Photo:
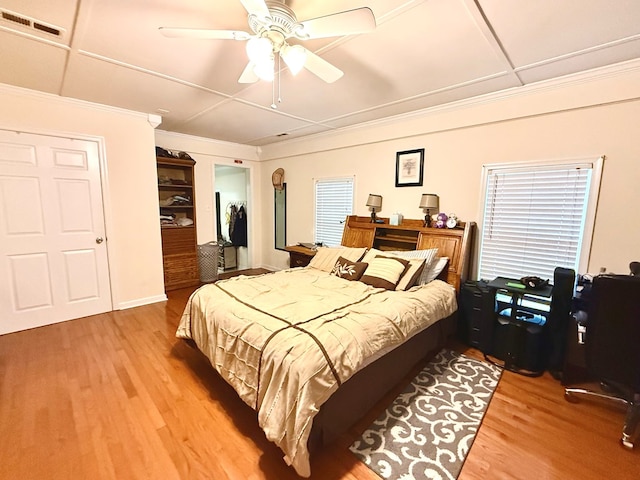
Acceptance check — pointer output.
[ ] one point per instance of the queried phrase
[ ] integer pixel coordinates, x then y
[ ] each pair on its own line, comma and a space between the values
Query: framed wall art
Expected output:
410, 168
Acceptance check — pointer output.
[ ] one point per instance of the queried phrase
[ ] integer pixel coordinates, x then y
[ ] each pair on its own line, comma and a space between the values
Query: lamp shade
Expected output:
430, 201
374, 201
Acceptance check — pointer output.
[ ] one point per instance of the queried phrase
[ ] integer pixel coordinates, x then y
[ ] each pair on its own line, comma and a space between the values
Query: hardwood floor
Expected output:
117, 396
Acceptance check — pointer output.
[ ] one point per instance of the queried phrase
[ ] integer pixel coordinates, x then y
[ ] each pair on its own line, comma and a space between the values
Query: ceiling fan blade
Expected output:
320, 67
360, 20
256, 7
204, 33
248, 75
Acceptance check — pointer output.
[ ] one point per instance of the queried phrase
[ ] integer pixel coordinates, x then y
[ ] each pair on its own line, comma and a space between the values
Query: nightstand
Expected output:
299, 256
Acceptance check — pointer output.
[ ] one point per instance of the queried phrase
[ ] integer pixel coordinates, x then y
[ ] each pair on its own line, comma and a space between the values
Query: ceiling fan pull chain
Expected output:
273, 94
279, 80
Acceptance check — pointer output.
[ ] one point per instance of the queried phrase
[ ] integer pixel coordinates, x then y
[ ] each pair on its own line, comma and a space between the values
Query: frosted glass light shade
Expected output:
259, 49
264, 69
294, 56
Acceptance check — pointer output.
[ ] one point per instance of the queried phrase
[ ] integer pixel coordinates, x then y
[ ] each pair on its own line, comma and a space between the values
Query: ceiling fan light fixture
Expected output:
294, 56
259, 49
265, 69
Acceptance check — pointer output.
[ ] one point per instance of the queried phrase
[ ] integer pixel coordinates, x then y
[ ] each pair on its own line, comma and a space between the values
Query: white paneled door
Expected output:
53, 254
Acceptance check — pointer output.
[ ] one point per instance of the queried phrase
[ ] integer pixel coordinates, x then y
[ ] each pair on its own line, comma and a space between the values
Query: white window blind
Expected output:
534, 219
334, 201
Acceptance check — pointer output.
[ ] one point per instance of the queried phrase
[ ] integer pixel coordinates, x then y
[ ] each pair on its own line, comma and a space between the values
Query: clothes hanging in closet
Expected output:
239, 235
233, 213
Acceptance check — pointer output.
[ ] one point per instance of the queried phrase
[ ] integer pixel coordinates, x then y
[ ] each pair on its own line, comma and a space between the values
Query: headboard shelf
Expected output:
454, 243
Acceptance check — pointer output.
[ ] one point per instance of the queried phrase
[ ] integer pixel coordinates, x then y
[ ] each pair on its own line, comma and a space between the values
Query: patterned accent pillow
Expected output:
326, 257
385, 272
371, 254
348, 270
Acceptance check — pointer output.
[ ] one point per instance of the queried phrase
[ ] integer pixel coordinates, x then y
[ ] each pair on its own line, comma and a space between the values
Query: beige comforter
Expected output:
286, 340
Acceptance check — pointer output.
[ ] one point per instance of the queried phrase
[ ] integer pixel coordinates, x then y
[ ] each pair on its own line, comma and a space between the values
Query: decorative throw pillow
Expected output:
411, 274
348, 270
371, 254
434, 270
428, 254
326, 257
384, 272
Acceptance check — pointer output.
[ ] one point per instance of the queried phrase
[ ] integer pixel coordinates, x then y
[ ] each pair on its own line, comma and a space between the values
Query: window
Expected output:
334, 201
537, 217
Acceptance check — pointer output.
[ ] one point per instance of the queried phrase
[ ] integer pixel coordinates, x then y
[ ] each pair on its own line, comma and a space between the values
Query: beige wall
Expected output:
584, 119
129, 182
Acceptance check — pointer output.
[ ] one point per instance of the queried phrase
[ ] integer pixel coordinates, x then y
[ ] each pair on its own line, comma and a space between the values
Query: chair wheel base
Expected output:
569, 397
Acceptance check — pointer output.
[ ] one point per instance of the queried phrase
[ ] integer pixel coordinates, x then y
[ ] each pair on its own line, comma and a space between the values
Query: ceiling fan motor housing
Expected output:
280, 25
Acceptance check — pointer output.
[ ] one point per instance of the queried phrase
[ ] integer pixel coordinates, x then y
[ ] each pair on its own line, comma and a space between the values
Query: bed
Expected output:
312, 351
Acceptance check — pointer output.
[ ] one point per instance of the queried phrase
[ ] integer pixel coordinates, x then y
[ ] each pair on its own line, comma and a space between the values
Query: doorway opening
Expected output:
232, 211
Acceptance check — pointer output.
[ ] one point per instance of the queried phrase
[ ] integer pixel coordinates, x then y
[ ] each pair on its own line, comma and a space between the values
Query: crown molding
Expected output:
296, 146
211, 146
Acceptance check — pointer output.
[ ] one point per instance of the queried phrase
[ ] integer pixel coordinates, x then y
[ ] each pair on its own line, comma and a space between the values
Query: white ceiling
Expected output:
422, 54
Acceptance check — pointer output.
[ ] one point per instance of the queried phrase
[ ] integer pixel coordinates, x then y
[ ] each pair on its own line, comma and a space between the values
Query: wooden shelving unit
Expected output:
179, 247
393, 238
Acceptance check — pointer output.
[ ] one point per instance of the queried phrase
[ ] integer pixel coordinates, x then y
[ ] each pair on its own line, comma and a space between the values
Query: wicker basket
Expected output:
208, 262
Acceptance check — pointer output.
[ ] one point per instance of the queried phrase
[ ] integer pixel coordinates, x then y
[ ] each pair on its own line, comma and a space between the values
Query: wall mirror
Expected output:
280, 216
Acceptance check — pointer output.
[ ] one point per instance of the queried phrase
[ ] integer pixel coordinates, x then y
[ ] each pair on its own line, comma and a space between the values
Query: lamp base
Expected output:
373, 216
427, 219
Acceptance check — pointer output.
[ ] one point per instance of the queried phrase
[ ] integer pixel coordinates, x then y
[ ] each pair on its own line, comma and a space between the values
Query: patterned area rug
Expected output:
428, 430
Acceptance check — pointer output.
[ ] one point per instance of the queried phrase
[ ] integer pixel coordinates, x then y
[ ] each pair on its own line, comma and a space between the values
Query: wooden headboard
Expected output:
454, 243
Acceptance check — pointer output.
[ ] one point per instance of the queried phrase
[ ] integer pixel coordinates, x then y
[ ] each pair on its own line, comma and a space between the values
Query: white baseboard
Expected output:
140, 301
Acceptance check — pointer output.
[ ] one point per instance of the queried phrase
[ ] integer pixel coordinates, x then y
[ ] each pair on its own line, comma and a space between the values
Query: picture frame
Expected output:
410, 168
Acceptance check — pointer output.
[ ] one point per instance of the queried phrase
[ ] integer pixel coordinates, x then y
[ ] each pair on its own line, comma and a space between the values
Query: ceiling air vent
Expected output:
16, 18
30, 23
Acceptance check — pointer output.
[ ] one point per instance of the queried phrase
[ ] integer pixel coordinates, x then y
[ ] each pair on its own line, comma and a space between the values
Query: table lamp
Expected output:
374, 202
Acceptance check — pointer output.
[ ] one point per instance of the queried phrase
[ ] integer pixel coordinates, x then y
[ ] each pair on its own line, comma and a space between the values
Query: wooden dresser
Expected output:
179, 247
413, 235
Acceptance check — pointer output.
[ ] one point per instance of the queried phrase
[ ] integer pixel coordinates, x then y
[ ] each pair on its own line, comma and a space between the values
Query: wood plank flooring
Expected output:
117, 396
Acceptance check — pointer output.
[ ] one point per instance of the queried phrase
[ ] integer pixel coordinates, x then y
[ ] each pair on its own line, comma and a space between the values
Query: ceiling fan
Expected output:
273, 23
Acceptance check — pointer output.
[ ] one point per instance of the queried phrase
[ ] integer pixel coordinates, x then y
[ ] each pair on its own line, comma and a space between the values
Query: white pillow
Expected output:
432, 272
326, 257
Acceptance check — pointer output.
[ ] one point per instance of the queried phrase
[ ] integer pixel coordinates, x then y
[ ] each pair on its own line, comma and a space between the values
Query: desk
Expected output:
518, 339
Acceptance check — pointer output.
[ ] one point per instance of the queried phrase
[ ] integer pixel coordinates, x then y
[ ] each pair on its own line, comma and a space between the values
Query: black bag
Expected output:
533, 282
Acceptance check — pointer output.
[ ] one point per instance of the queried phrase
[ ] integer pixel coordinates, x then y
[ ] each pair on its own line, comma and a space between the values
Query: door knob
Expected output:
99, 240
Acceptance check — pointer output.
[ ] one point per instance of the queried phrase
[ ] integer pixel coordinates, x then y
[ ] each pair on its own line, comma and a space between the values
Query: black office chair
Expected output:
612, 345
